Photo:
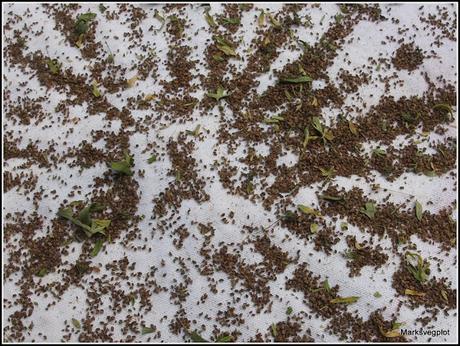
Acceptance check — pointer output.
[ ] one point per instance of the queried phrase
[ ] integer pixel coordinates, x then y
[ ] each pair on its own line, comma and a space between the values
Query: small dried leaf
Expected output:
309, 211
314, 228
209, 19
344, 300
54, 65
289, 310
353, 128
274, 330
413, 293
96, 91
418, 211
132, 81
377, 294
76, 323
391, 333
261, 19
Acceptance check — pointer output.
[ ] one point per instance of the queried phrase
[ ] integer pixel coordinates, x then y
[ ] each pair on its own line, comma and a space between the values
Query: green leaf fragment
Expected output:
224, 338
379, 152
274, 330
219, 94
152, 159
124, 166
147, 330
209, 19
42, 272
377, 294
197, 337
231, 21
369, 210
97, 247
289, 310
102, 8
300, 79
82, 23
195, 132
307, 210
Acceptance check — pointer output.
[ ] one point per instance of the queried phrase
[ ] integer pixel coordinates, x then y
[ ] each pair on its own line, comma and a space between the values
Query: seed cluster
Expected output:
177, 172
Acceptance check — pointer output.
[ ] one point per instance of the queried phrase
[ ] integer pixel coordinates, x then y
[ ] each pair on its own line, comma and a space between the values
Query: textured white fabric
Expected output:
333, 267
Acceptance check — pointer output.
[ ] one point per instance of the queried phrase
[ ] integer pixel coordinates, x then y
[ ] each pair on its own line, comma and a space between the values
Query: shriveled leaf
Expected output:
102, 8
377, 294
274, 330
418, 211
289, 310
446, 107
307, 210
344, 300
274, 22
343, 226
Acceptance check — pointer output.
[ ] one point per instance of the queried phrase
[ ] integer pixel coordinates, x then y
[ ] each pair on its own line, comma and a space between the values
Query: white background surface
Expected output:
333, 267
